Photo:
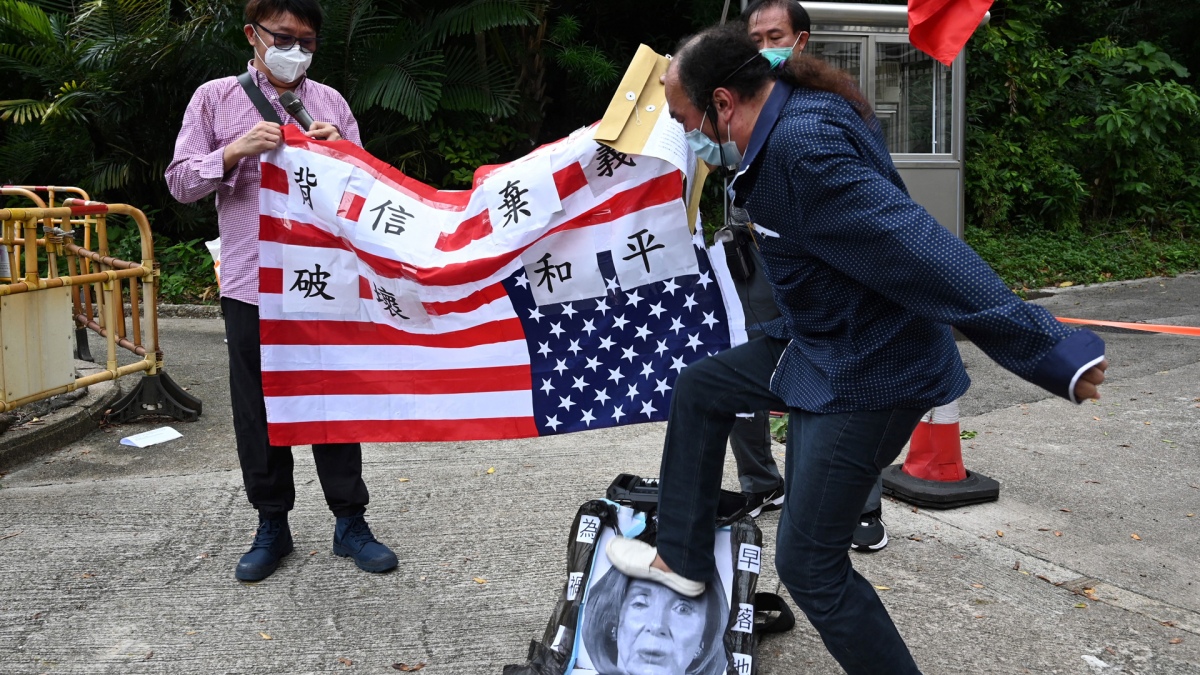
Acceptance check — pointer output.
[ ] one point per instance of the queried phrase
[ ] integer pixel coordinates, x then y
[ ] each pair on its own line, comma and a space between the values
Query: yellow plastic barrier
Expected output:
37, 307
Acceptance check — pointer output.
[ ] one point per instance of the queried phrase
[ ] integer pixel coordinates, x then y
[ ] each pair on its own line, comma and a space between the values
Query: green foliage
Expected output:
463, 150
1025, 183
779, 427
187, 272
1037, 259
186, 267
88, 84
1081, 135
587, 65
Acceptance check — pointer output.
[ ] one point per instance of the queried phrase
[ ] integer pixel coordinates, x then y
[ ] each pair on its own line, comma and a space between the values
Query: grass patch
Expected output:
1026, 260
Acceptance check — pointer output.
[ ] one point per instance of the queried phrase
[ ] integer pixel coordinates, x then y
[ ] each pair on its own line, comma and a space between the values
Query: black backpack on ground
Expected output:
585, 624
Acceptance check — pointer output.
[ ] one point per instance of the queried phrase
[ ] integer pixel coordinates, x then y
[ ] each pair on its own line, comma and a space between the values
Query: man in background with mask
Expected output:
217, 151
776, 26
779, 28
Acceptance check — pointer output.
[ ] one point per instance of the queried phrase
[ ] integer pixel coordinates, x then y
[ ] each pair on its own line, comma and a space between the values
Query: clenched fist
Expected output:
1088, 386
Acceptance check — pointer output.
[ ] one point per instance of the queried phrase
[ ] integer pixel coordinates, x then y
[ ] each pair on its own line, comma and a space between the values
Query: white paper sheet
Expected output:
153, 437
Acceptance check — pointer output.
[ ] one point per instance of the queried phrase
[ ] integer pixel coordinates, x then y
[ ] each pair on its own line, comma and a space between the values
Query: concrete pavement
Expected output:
120, 560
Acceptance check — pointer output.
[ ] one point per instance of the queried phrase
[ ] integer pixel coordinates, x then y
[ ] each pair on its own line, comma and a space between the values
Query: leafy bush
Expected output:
1037, 259
186, 267
1082, 137
461, 150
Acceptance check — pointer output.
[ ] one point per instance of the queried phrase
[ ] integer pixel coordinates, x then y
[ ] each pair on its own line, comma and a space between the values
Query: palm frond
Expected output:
22, 150
23, 111
478, 16
468, 88
107, 175
57, 6
25, 20
411, 86
31, 60
356, 20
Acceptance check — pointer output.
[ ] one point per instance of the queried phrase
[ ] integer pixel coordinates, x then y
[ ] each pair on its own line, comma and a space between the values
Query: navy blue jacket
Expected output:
868, 282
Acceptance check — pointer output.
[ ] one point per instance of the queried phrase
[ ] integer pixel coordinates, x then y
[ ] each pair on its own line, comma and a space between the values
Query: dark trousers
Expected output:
833, 461
266, 468
750, 442
750, 439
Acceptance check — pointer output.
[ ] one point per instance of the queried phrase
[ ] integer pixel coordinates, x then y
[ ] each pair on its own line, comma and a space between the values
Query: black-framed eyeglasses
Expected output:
284, 42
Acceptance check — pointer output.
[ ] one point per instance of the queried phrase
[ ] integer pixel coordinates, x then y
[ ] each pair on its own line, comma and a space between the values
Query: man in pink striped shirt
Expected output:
218, 151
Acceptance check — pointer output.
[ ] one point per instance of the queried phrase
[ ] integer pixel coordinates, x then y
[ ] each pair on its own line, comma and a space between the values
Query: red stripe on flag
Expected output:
351, 206
366, 334
400, 431
470, 303
570, 180
274, 178
657, 191
296, 233
472, 229
270, 280
391, 382
446, 200
482, 173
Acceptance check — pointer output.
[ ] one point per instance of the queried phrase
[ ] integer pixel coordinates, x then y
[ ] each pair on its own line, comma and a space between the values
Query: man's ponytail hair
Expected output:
725, 56
809, 71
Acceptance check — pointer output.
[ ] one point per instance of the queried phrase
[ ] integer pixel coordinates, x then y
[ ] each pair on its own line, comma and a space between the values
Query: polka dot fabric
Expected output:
868, 282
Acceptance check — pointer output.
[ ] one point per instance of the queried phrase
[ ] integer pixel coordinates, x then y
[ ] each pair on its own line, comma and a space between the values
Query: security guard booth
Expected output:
920, 103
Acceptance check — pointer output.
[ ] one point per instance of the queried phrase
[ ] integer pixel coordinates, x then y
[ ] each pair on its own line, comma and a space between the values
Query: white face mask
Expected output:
707, 150
287, 66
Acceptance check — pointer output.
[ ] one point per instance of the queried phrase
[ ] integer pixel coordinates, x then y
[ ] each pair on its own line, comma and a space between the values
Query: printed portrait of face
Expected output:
636, 627
659, 632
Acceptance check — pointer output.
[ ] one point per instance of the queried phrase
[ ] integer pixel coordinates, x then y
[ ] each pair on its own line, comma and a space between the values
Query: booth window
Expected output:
913, 95
845, 54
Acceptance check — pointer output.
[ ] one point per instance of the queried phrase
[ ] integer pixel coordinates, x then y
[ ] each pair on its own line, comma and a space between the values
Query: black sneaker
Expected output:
870, 535
761, 502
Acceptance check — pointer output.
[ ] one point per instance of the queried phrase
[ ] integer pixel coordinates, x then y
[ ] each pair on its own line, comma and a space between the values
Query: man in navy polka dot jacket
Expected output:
869, 285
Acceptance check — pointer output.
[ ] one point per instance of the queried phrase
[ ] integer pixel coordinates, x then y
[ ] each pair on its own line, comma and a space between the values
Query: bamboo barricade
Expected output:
96, 282
85, 223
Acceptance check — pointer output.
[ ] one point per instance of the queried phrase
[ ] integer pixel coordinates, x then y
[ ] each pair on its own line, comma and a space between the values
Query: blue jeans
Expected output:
833, 462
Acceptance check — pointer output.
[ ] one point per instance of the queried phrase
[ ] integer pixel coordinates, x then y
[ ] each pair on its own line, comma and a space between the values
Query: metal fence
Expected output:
45, 315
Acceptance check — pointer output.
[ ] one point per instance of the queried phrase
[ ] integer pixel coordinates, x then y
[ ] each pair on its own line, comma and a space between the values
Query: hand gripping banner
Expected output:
563, 292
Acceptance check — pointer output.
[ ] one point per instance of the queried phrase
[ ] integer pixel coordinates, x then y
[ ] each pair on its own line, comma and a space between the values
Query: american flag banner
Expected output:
563, 292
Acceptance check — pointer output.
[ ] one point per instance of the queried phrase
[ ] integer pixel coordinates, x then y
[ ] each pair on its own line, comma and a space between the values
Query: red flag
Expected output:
940, 28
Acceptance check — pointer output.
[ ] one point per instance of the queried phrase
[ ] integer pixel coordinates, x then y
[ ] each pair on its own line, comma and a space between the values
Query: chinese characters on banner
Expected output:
564, 292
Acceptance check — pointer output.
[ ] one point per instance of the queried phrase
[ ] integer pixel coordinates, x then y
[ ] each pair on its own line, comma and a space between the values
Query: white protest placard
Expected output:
320, 280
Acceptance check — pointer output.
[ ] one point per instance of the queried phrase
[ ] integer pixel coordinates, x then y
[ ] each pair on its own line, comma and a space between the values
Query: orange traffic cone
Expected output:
933, 475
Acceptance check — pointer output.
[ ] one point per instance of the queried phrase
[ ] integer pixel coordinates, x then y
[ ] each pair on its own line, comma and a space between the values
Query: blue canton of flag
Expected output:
613, 360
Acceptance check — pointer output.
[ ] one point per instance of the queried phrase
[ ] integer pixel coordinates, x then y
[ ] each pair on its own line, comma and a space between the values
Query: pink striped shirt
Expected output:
219, 114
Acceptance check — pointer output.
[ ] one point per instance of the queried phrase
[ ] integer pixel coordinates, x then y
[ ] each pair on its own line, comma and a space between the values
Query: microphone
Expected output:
295, 107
